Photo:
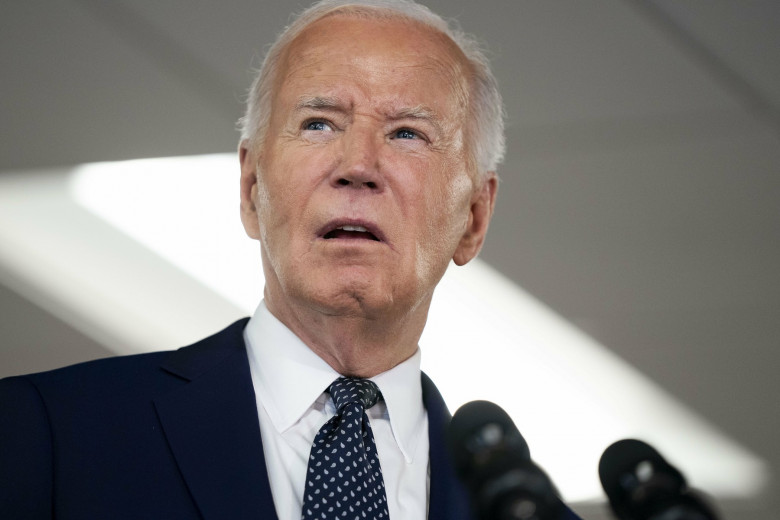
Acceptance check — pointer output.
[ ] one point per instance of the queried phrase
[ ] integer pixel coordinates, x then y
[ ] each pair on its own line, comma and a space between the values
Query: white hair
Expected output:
486, 133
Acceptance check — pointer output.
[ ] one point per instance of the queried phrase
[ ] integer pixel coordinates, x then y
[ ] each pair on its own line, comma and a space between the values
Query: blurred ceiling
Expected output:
640, 197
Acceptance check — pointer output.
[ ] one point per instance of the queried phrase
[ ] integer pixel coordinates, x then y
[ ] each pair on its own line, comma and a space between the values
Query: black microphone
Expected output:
642, 485
493, 460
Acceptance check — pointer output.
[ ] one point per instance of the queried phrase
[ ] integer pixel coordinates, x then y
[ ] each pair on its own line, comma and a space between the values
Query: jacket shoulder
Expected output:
126, 377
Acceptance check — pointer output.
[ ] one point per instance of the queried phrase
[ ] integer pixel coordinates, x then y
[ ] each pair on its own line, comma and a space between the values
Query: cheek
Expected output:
285, 195
276, 187
264, 202
272, 204
444, 217
448, 208
265, 223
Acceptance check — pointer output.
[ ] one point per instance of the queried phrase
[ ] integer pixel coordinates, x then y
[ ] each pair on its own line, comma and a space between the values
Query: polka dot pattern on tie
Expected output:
344, 479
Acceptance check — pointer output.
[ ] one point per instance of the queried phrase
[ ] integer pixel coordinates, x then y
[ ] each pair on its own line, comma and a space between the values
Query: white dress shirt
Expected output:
292, 405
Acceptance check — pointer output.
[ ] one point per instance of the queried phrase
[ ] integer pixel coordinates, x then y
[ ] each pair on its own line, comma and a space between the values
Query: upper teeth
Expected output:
354, 228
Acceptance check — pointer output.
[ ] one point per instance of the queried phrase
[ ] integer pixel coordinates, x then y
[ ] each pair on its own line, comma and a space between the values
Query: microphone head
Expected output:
493, 460
642, 485
480, 434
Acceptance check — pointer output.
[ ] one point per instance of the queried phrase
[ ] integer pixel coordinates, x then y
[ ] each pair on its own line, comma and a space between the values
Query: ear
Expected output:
249, 217
483, 202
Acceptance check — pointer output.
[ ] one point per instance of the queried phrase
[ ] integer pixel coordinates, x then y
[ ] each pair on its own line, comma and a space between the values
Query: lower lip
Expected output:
350, 236
350, 241
350, 244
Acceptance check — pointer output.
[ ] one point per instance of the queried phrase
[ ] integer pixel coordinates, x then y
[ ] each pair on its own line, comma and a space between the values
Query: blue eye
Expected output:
405, 133
317, 126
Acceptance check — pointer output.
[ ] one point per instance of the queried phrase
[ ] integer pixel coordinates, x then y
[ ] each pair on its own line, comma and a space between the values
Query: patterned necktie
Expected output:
344, 480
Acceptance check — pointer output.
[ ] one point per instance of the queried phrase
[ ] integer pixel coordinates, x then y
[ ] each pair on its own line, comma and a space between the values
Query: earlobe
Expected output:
482, 204
249, 216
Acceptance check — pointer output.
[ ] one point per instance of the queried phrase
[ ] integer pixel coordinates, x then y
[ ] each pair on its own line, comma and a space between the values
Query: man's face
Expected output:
363, 190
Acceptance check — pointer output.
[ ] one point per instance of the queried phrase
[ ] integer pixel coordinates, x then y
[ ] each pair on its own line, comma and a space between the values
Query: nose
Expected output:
360, 160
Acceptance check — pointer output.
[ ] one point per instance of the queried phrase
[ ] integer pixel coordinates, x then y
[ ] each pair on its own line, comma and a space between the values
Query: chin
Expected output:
354, 300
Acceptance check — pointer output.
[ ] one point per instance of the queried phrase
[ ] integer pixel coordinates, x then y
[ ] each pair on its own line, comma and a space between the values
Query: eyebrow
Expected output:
420, 113
319, 103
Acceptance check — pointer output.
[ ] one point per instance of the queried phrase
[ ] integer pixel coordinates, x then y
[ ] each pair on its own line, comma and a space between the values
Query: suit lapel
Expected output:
448, 497
212, 428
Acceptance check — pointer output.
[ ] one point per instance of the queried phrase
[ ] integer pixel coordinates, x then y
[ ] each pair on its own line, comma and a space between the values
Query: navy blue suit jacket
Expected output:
168, 435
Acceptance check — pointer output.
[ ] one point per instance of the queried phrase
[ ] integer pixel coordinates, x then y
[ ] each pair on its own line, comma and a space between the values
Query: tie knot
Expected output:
345, 390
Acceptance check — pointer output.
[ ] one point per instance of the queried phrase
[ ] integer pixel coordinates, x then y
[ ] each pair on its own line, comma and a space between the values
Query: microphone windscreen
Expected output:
480, 429
636, 478
493, 460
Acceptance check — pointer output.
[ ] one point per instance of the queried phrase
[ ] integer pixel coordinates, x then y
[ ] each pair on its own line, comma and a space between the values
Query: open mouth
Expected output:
350, 232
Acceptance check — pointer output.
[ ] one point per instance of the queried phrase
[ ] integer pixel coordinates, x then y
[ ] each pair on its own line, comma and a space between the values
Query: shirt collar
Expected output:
401, 388
291, 377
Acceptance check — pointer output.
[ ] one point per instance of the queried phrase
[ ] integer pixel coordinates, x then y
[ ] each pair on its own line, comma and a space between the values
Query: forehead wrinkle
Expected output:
449, 63
302, 60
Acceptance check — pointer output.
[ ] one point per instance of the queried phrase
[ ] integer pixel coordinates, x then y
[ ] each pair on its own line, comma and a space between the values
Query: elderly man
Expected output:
367, 163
